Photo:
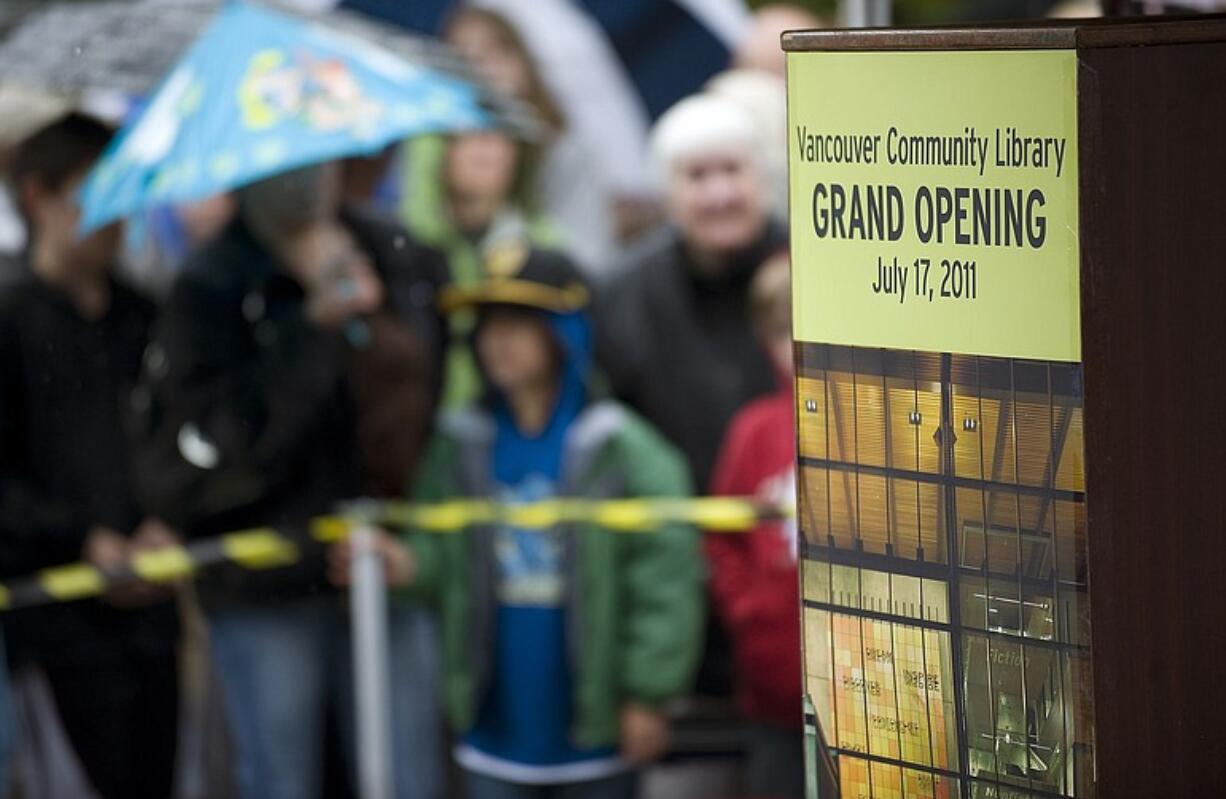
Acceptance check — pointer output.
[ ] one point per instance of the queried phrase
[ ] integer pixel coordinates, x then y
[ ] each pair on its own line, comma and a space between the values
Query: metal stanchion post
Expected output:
811, 743
864, 13
368, 622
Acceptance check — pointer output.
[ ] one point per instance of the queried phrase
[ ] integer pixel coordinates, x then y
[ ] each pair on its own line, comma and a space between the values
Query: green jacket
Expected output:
423, 211
634, 600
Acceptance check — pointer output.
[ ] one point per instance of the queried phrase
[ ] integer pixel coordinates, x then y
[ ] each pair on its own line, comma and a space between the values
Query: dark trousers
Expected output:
121, 715
622, 786
774, 767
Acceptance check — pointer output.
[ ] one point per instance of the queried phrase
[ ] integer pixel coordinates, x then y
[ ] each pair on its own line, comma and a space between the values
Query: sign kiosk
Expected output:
1009, 270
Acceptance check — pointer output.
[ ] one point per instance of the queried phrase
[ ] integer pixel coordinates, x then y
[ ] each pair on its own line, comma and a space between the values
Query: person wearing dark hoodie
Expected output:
296, 366
754, 577
71, 340
564, 645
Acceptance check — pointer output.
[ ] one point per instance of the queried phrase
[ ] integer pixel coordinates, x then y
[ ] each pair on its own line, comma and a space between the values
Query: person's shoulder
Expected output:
647, 272
134, 301
16, 295
758, 435
761, 415
466, 425
15, 306
13, 268
219, 266
610, 423
625, 303
393, 247
373, 228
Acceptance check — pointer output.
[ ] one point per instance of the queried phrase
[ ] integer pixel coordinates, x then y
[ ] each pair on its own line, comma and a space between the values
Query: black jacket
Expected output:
65, 463
680, 348
254, 416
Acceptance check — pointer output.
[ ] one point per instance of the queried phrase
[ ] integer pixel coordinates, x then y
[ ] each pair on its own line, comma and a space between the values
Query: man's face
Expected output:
718, 200
515, 349
56, 214
291, 202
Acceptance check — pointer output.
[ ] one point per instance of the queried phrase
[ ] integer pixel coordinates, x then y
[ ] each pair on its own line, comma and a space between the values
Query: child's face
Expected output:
515, 348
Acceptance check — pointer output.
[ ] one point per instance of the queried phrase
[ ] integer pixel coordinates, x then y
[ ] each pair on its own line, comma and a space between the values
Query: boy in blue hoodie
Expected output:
562, 645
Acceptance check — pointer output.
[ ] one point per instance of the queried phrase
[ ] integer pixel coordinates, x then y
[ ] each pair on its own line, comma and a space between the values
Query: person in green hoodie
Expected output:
563, 646
464, 195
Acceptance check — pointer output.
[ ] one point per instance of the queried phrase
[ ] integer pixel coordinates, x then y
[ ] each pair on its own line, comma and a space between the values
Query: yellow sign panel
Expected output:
934, 201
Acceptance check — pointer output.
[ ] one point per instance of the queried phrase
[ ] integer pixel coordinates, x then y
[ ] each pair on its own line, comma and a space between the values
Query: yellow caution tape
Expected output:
265, 548
713, 514
625, 515
163, 565
445, 517
76, 581
723, 514
329, 529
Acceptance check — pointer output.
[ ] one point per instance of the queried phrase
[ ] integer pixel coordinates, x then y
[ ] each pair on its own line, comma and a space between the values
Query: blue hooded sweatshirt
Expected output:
523, 729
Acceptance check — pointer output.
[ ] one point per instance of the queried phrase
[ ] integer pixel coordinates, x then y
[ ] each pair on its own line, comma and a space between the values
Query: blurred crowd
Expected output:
602, 312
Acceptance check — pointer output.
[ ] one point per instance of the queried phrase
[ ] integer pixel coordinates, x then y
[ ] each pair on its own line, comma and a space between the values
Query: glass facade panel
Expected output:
946, 621
874, 506
811, 415
814, 505
844, 521
870, 413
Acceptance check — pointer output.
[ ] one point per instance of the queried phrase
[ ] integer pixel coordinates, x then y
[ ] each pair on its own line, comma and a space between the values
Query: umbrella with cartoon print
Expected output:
58, 56
263, 92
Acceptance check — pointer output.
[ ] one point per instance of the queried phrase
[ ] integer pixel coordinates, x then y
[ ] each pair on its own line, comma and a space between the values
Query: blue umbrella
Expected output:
262, 92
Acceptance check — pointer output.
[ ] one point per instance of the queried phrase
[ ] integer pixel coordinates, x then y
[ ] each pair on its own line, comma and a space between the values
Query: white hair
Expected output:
764, 96
699, 124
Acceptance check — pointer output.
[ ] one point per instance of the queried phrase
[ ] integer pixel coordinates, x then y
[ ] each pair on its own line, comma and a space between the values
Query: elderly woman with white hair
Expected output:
674, 334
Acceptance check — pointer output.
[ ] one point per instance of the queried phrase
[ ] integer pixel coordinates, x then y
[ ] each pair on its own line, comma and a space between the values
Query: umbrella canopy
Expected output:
263, 92
65, 55
110, 45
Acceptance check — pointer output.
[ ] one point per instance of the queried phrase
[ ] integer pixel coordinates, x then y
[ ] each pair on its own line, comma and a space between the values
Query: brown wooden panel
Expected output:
1153, 172
1022, 35
961, 38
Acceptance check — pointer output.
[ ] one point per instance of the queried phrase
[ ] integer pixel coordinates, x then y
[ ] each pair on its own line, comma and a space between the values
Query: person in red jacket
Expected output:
754, 581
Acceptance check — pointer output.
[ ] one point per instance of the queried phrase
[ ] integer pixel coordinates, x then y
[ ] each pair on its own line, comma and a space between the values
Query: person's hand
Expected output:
399, 566
105, 549
109, 551
153, 533
644, 734
339, 280
352, 290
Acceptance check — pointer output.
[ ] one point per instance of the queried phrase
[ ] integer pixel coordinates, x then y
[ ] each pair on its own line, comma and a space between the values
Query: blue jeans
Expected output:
278, 665
621, 786
8, 726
